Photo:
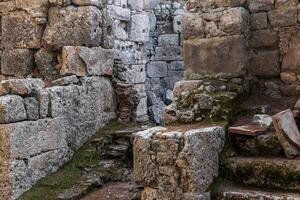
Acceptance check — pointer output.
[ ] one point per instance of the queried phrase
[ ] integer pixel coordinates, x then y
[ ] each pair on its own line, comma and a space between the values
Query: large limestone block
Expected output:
163, 159
83, 61
226, 57
20, 30
11, 109
68, 27
29, 151
87, 107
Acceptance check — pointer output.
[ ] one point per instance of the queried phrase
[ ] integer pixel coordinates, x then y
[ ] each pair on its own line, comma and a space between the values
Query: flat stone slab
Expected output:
250, 130
236, 193
271, 173
284, 122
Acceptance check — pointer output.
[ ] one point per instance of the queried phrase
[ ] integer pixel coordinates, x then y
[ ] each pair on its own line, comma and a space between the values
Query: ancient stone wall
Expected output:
272, 40
55, 89
148, 52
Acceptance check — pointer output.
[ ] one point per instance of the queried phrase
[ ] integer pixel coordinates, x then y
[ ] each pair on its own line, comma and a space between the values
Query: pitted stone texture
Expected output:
139, 28
46, 62
67, 27
83, 61
23, 87
177, 165
67, 80
20, 30
98, 3
32, 108
36, 8
12, 109
232, 21
36, 156
17, 62
87, 107
213, 58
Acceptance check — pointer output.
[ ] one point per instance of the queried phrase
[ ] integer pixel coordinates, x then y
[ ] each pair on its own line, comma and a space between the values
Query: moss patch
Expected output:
85, 159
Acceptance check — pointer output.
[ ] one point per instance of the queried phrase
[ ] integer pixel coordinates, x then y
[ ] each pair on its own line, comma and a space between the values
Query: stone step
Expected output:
236, 193
260, 145
271, 173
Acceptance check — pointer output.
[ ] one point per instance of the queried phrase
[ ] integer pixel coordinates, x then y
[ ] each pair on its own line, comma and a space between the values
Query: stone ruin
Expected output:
70, 66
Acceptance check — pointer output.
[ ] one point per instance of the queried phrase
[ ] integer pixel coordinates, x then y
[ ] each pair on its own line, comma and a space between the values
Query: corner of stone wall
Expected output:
55, 90
216, 57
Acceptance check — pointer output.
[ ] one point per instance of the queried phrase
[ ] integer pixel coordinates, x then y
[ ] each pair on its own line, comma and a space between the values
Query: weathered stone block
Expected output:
17, 62
36, 8
162, 159
283, 16
168, 53
67, 80
140, 27
83, 61
192, 26
97, 3
32, 108
23, 87
291, 60
265, 63
234, 21
27, 143
259, 21
129, 53
168, 39
261, 5
263, 38
176, 66
210, 57
46, 62
67, 27
20, 30
231, 21
157, 69
12, 109
134, 74
119, 13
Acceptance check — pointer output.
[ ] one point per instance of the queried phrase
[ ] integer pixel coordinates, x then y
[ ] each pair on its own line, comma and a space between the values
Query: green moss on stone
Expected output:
87, 157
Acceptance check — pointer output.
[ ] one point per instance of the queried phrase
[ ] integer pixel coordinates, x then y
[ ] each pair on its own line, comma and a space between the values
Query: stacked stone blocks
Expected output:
216, 57
55, 88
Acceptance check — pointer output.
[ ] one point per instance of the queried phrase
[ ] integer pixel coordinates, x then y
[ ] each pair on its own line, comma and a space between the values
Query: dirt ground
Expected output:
114, 191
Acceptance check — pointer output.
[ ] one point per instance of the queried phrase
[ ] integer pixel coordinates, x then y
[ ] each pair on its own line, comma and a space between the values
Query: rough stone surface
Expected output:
177, 165
213, 57
66, 27
12, 109
83, 61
